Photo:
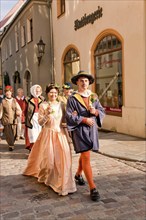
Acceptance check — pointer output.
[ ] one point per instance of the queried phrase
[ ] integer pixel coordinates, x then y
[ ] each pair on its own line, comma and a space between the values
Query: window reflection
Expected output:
108, 63
71, 64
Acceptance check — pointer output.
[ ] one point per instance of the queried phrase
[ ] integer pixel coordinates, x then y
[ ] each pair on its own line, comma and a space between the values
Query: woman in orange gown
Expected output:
50, 159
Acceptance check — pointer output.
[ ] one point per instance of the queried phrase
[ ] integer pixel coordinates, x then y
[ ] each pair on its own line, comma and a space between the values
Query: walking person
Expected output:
9, 110
21, 119
31, 116
50, 157
83, 113
67, 91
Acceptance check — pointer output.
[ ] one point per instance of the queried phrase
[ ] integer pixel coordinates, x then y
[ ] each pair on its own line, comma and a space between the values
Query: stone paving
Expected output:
122, 189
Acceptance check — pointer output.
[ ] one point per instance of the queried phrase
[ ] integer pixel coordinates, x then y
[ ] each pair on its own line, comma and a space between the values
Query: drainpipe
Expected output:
51, 46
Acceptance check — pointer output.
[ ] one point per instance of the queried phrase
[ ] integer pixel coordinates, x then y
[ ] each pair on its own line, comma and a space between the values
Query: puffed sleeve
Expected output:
101, 115
72, 120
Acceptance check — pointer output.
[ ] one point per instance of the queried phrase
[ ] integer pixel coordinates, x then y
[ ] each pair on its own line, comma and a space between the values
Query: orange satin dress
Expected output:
50, 159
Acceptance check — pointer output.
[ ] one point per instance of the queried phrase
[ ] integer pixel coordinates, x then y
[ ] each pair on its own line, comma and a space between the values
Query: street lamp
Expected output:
41, 49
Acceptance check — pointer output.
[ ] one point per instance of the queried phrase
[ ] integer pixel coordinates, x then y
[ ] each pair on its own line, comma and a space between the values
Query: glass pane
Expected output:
109, 80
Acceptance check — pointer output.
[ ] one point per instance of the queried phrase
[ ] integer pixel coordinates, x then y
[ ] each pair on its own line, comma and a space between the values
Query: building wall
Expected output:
26, 58
127, 20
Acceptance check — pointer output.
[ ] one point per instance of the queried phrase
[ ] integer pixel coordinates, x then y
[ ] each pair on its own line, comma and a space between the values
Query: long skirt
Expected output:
50, 161
36, 129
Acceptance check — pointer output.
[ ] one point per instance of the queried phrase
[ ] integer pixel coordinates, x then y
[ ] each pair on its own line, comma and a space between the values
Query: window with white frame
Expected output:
60, 7
10, 47
29, 30
6, 51
23, 37
108, 66
16, 38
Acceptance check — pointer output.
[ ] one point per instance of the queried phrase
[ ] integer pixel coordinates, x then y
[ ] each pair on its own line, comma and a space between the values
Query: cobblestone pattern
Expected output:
122, 188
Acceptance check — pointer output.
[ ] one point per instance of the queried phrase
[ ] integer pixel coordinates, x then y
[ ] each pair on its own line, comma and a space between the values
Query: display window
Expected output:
108, 67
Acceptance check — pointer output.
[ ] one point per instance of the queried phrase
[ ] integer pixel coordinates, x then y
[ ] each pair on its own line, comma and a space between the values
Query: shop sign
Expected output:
87, 19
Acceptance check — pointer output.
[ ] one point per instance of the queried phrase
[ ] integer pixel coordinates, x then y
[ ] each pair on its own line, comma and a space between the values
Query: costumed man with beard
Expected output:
83, 114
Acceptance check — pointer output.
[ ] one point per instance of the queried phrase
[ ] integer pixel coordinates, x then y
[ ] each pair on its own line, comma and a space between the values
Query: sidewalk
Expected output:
112, 144
122, 146
122, 187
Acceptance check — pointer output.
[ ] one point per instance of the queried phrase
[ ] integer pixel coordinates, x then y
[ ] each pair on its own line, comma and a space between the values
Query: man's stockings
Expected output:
84, 165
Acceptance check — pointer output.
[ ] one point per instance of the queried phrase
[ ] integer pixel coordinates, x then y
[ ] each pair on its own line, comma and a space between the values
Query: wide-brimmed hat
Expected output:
67, 85
82, 74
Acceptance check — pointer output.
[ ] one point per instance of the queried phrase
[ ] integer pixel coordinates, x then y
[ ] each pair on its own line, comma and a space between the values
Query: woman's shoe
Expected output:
79, 179
94, 195
11, 148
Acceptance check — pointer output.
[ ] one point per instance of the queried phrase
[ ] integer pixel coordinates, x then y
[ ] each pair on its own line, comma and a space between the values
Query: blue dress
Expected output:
84, 137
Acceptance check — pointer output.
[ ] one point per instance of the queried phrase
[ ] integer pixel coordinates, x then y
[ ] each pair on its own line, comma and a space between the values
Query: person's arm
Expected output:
100, 113
44, 114
18, 109
72, 119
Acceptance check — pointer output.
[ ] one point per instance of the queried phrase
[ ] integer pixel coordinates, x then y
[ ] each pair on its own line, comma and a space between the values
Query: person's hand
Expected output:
74, 113
90, 121
50, 109
92, 110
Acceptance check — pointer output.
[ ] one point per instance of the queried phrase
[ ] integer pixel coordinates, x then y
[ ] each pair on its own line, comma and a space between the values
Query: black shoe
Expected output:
79, 179
10, 149
94, 195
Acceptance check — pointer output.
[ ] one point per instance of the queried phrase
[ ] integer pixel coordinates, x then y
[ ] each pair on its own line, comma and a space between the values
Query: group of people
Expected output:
46, 121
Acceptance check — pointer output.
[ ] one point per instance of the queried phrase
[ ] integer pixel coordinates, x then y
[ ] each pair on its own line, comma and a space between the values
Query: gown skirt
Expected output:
50, 161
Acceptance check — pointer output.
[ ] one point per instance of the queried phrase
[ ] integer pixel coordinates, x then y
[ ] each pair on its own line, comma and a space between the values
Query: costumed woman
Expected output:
33, 128
50, 158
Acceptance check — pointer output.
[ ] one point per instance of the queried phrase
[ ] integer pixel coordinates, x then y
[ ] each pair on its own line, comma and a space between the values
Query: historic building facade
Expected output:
105, 38
22, 65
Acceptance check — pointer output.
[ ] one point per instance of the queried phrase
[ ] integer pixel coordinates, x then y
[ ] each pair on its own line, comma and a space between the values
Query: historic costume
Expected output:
21, 119
84, 137
67, 91
50, 157
10, 109
83, 114
31, 116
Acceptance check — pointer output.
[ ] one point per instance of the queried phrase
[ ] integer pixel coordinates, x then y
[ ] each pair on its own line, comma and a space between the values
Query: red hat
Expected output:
8, 88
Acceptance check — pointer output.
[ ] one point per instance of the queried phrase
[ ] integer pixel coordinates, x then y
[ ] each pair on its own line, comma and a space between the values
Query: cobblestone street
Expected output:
122, 188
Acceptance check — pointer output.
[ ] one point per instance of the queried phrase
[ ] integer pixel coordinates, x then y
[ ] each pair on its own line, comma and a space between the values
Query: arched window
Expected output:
27, 78
6, 79
108, 66
17, 81
71, 64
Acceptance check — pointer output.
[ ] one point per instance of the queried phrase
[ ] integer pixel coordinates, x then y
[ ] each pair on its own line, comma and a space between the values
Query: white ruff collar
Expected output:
86, 93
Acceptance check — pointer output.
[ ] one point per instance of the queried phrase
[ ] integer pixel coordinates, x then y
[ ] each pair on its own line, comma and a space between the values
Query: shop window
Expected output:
108, 65
60, 7
71, 64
